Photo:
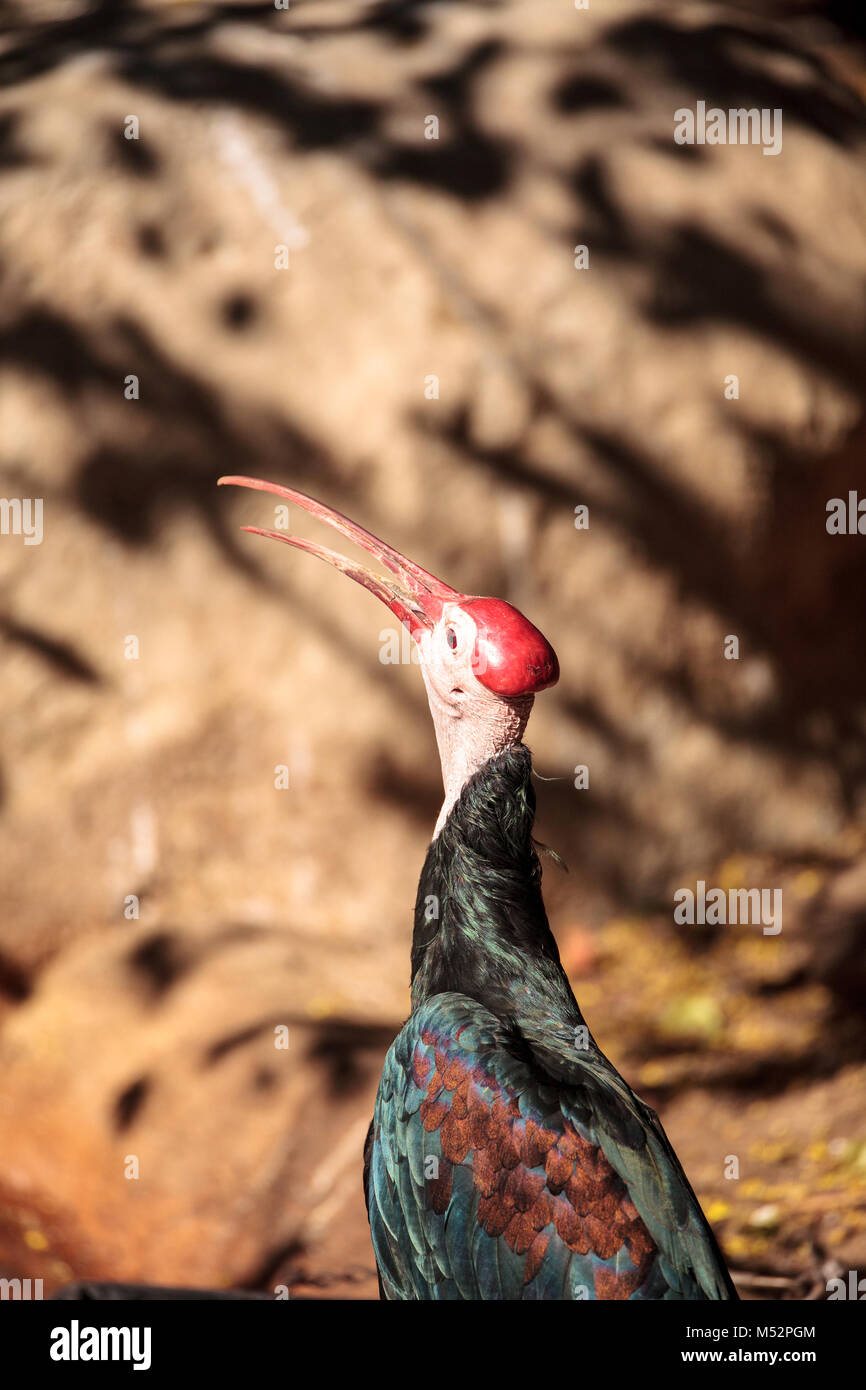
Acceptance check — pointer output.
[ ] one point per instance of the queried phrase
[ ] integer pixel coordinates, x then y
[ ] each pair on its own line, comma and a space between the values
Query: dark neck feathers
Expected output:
480, 924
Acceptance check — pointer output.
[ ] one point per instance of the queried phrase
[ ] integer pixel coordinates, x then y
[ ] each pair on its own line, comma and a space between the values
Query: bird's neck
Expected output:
470, 730
480, 924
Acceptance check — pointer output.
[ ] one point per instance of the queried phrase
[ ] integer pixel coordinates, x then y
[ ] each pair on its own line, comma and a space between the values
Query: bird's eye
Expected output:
451, 638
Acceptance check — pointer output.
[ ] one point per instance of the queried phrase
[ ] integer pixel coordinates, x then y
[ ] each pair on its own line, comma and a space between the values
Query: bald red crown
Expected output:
511, 656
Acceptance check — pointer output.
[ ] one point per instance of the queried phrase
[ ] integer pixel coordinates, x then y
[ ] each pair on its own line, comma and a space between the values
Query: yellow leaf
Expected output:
731, 873
717, 1210
807, 883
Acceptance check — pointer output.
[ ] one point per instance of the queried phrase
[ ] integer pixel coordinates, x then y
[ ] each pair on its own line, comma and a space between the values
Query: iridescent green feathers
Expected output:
508, 1159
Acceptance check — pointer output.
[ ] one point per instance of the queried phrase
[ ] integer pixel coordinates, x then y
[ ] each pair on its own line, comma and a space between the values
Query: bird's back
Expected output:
507, 1158
487, 1178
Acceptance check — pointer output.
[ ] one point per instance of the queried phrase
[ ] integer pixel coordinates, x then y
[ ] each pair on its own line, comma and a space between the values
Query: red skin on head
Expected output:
512, 657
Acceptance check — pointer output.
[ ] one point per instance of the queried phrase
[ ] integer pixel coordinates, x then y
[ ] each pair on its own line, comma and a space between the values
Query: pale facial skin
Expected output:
471, 722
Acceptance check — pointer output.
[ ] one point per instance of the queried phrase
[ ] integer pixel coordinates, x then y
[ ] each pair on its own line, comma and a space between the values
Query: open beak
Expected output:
415, 597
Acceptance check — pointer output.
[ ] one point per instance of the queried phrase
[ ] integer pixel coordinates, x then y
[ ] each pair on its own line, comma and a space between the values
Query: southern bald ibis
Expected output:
507, 1158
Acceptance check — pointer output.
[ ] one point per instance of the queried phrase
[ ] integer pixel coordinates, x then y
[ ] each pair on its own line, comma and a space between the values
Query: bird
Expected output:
507, 1158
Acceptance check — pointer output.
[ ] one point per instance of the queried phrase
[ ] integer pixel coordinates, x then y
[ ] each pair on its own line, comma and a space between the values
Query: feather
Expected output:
505, 1161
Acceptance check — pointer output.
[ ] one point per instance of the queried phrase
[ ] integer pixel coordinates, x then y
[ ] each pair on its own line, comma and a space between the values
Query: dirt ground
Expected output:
283, 262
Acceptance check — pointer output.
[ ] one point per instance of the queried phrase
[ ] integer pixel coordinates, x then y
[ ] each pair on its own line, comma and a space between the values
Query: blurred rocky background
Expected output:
145, 783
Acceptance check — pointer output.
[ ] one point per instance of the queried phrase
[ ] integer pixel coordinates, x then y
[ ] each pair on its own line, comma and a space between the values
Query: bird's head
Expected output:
483, 662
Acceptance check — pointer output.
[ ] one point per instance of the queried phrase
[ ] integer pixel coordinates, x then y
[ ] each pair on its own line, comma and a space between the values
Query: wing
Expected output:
489, 1178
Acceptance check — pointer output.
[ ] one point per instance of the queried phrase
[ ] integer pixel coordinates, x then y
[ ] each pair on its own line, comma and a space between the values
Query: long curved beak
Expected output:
414, 596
